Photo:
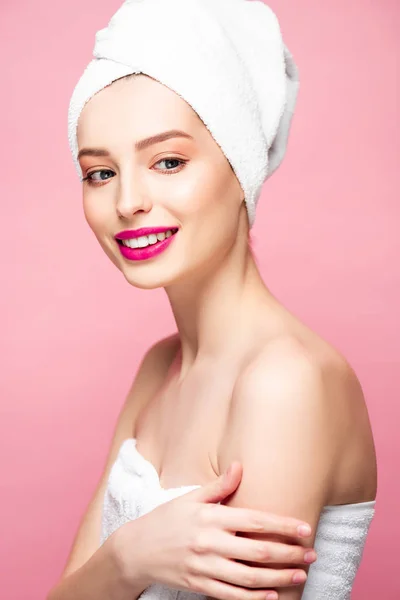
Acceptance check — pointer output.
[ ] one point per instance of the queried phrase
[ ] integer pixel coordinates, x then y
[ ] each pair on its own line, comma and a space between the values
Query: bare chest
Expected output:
179, 430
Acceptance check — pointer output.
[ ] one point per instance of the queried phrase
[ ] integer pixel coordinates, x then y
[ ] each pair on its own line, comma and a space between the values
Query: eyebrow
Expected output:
140, 145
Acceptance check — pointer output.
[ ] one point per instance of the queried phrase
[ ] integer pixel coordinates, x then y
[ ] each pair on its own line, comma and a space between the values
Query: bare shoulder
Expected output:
286, 381
291, 397
163, 351
158, 359
150, 376
289, 363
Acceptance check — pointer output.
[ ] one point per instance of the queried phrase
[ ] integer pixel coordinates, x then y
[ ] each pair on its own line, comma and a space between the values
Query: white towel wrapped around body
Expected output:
134, 489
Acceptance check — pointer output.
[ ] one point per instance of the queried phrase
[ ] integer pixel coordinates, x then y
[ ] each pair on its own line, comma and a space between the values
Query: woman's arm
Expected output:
100, 578
90, 569
282, 429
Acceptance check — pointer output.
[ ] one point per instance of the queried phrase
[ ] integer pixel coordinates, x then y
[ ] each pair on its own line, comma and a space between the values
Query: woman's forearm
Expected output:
100, 578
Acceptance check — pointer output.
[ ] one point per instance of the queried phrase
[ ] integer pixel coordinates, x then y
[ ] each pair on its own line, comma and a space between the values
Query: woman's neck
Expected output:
217, 312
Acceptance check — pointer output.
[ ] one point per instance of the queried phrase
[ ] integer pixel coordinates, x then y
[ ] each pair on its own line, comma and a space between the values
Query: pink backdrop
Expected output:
73, 331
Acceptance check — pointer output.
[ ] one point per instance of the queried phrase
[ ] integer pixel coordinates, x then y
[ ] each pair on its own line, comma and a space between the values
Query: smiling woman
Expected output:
244, 445
202, 185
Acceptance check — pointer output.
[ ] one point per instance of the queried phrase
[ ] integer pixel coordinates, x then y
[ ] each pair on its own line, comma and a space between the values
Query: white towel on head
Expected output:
225, 58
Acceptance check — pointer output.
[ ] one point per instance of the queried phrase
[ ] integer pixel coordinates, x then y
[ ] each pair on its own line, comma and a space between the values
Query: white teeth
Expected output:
147, 240
142, 241
130, 243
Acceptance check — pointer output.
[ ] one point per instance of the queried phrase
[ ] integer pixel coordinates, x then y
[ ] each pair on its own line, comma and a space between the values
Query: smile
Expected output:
144, 247
148, 240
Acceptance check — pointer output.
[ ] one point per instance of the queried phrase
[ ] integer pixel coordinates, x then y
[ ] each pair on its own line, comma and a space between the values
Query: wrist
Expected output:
127, 550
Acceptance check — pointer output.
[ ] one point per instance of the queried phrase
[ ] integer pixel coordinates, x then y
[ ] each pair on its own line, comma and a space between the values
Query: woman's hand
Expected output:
190, 543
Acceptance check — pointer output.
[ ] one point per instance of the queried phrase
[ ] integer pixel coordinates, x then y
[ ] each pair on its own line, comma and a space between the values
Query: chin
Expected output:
149, 279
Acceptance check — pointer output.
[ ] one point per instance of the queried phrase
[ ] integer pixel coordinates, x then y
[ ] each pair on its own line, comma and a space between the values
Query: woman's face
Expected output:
184, 184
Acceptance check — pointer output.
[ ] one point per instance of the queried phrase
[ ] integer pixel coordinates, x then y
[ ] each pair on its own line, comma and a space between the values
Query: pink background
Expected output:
73, 331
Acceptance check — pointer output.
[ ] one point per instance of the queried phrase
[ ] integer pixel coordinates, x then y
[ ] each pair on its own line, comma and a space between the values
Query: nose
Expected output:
130, 202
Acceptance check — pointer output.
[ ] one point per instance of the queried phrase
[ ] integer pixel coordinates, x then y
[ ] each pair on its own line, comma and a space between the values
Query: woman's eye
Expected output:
172, 160
173, 165
89, 178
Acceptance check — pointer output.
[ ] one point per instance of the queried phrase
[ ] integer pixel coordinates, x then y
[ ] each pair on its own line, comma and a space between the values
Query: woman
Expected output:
243, 383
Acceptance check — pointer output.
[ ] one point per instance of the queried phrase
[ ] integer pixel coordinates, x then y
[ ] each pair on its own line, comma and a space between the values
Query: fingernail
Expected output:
299, 577
272, 596
304, 530
310, 556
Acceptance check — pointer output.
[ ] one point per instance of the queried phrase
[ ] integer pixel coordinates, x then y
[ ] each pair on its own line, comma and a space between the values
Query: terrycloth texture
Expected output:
134, 489
225, 58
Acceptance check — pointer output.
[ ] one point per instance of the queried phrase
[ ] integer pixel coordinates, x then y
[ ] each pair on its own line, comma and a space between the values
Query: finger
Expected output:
241, 575
220, 488
255, 521
266, 552
213, 588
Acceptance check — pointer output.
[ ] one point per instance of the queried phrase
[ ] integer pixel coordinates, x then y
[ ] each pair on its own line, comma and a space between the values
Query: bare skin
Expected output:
236, 343
188, 434
195, 412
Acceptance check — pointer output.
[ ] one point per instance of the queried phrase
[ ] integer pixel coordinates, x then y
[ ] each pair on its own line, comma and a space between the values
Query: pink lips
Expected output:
148, 251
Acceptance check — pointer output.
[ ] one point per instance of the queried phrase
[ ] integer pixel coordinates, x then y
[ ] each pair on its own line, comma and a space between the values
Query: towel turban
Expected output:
225, 58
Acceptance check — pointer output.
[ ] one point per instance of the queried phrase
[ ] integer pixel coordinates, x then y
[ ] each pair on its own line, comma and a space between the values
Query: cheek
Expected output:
99, 219
206, 192
210, 218
96, 213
